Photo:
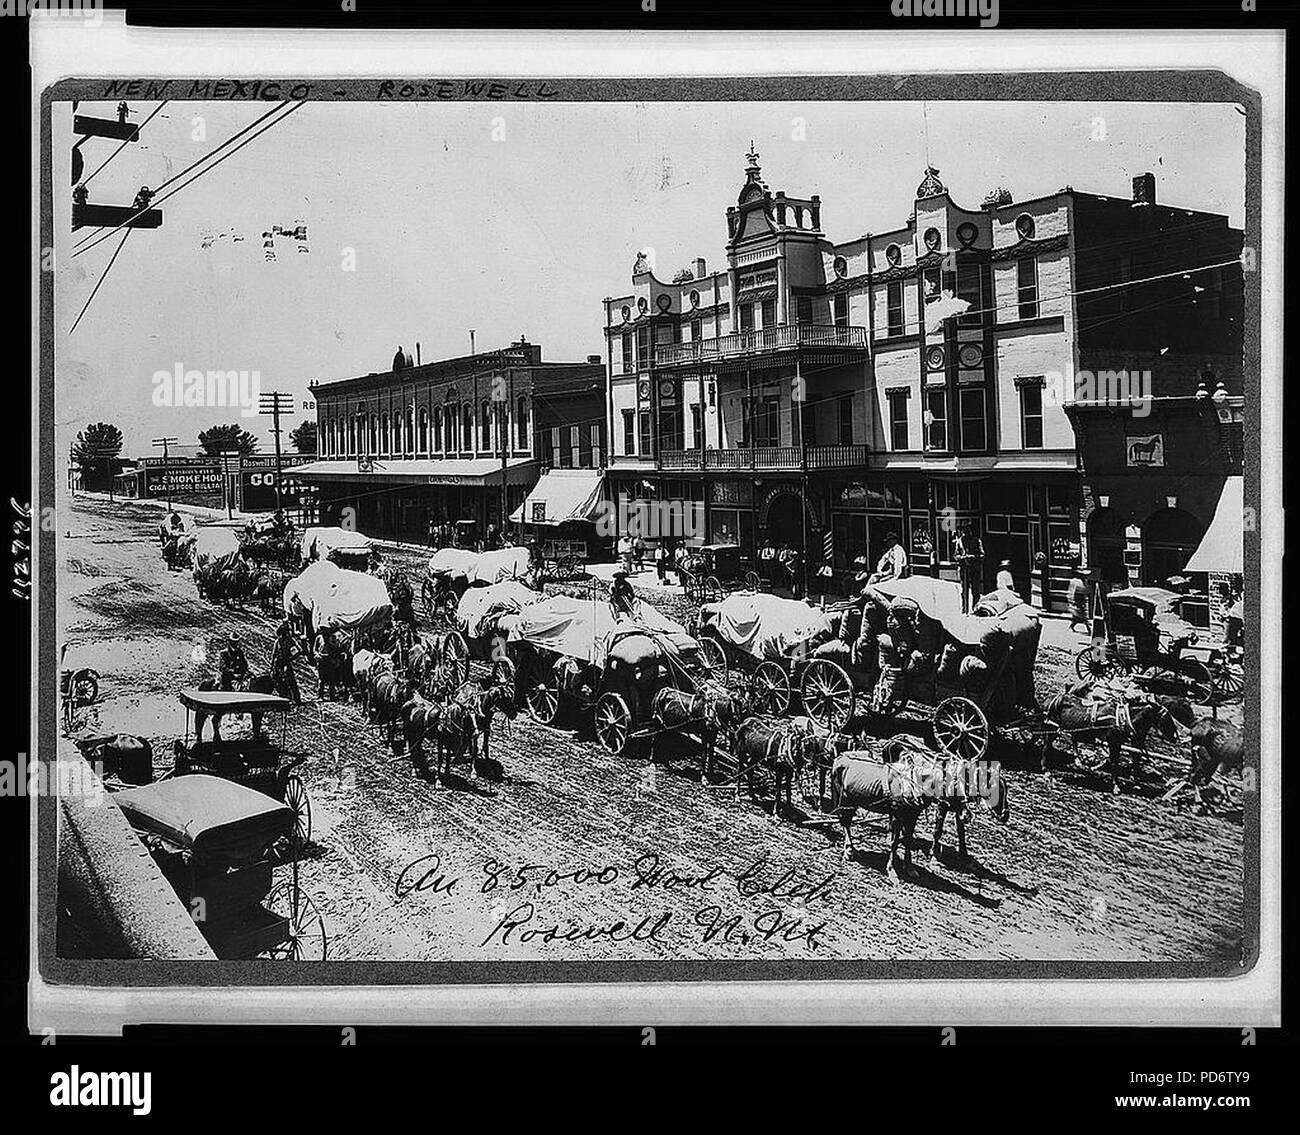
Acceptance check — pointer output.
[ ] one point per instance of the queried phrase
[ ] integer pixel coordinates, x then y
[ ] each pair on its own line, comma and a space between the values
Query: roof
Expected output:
562, 494
1220, 548
464, 471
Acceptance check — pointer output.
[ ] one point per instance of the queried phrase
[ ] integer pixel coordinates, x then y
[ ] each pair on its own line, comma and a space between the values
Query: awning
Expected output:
474, 471
1220, 548
560, 495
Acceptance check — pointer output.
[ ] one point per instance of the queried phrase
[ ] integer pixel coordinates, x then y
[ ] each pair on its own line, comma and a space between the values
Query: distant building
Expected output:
813, 393
435, 442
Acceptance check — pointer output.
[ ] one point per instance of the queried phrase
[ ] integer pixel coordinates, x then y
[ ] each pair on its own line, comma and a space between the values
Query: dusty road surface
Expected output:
577, 855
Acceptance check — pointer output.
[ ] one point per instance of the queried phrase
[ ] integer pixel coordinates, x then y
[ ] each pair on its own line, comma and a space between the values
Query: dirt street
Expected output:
629, 861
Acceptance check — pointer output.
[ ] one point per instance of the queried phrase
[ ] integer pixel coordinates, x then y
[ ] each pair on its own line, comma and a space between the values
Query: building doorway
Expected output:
1106, 547
1169, 537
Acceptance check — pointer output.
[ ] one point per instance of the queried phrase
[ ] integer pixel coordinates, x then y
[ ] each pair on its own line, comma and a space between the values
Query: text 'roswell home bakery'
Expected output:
710, 923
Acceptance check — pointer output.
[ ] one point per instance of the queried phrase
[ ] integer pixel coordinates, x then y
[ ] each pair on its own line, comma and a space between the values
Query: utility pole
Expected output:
471, 341
504, 442
162, 443
275, 403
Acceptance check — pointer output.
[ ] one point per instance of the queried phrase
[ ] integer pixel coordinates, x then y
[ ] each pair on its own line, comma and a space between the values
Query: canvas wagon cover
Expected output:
478, 604
213, 543
317, 543
338, 599
494, 567
765, 626
580, 628
208, 815
452, 561
940, 600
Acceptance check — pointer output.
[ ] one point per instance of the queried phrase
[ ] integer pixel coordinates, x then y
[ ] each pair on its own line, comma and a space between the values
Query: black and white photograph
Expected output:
611, 530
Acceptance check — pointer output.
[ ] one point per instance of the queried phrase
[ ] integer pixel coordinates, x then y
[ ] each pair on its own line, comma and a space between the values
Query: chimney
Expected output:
816, 211
700, 269
1144, 189
417, 353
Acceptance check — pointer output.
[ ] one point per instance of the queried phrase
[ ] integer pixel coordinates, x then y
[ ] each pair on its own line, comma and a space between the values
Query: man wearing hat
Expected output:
1004, 581
621, 597
893, 564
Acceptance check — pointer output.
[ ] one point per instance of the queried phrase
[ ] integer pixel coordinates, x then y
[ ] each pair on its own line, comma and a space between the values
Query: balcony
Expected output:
784, 458
783, 338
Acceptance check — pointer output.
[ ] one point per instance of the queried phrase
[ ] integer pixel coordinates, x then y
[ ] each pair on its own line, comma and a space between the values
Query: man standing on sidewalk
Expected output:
969, 554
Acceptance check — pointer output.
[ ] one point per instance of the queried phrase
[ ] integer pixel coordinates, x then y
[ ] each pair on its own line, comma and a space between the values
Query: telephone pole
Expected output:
162, 443
275, 403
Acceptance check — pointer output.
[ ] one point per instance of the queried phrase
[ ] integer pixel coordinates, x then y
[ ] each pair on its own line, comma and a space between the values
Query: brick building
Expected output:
907, 380
457, 439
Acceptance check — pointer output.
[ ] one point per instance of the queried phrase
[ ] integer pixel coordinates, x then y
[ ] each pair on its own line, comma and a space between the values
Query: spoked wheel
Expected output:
827, 693
85, 687
711, 590
961, 729
1197, 680
305, 939
1229, 682
770, 688
543, 696
613, 722
713, 660
1095, 663
455, 654
503, 673
296, 799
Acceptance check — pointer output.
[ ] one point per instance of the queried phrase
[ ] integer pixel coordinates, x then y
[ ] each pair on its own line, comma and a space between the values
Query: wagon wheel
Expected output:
827, 693
710, 590
1197, 680
753, 582
543, 696
713, 660
770, 688
305, 939
613, 723
568, 567
503, 673
455, 654
1229, 682
85, 687
296, 799
444, 606
1094, 663
961, 729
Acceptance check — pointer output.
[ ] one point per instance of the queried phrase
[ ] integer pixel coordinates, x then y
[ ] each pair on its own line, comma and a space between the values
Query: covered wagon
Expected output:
214, 546
326, 597
445, 581
481, 628
345, 546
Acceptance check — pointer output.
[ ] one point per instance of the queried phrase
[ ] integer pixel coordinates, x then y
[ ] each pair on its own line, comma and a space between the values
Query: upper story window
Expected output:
466, 426
894, 322
1027, 287
628, 359
384, 433
769, 313
898, 438
697, 329
747, 317
970, 287
936, 418
521, 423
629, 432
846, 419
485, 425
1025, 226
974, 429
841, 309
1031, 415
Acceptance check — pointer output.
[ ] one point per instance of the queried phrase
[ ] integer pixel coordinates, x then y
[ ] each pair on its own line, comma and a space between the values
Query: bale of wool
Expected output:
974, 671
950, 660
835, 651
888, 689
920, 664
887, 652
850, 625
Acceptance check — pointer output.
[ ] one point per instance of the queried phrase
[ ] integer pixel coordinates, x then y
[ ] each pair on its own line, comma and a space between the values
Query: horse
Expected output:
1213, 746
465, 718
333, 669
781, 745
1116, 718
705, 713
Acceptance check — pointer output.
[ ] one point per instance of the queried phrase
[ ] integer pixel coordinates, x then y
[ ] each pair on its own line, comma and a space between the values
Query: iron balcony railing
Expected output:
782, 457
782, 338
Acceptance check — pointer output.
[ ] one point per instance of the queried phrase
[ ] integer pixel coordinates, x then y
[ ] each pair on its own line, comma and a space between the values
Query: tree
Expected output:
303, 436
226, 437
96, 451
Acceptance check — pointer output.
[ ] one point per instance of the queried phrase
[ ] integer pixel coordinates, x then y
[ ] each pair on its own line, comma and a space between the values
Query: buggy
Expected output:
713, 569
215, 841
1148, 640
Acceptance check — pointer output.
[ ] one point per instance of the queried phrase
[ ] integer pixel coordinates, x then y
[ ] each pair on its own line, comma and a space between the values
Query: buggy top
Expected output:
1159, 605
764, 626
213, 702
214, 818
583, 629
480, 604
318, 543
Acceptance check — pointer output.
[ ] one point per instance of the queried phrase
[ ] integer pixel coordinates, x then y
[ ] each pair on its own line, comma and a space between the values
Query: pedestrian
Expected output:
661, 561
232, 665
969, 554
1077, 597
1234, 622
282, 655
638, 551
1005, 581
625, 552
431, 538
893, 564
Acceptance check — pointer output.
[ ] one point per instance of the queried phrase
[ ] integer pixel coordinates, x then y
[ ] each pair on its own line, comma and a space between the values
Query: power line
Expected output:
123, 146
158, 200
102, 278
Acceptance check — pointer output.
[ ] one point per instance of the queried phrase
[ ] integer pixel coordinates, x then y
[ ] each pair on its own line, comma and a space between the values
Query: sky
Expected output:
514, 219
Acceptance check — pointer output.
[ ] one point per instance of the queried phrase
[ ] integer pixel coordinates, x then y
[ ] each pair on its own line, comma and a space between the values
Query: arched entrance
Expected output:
1106, 546
1169, 537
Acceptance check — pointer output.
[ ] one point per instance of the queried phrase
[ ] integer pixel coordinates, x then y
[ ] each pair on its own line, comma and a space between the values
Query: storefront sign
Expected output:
1147, 451
854, 495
